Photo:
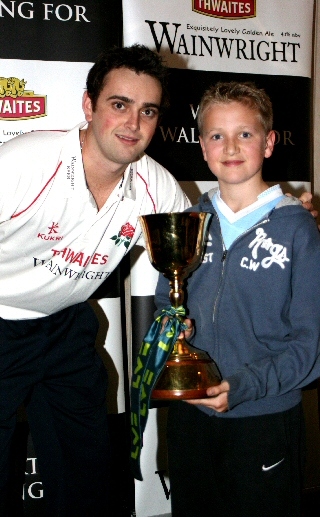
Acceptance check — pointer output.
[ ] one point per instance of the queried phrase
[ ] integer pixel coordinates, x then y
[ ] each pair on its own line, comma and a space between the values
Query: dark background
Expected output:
291, 98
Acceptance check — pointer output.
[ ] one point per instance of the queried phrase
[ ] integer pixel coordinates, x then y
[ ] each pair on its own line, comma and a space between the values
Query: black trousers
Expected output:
50, 364
237, 467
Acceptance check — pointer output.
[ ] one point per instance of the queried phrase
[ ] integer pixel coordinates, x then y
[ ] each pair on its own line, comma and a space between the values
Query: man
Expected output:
69, 212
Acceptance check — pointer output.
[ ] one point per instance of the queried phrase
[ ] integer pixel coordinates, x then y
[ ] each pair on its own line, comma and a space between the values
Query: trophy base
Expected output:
187, 374
179, 394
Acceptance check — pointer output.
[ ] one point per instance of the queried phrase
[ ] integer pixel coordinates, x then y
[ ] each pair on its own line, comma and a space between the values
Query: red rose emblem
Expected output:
127, 231
124, 236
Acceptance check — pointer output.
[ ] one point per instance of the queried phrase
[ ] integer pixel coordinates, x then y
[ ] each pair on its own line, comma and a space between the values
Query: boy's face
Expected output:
234, 142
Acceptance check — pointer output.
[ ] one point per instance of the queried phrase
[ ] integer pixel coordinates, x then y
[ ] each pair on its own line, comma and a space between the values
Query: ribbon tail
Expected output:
154, 352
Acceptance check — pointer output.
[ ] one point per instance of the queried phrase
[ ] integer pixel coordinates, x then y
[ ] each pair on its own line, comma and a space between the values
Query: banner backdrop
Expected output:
46, 51
205, 41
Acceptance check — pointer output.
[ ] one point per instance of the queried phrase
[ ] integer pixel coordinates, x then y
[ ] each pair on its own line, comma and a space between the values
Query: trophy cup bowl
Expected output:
175, 247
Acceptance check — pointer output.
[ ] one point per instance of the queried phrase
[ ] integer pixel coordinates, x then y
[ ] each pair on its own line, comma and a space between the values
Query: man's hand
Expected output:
217, 398
306, 200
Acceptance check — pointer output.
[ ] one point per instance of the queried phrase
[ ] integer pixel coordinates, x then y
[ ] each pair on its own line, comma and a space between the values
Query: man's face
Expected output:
234, 142
125, 117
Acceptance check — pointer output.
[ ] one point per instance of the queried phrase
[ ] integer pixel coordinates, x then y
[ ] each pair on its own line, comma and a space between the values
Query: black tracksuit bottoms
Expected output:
50, 365
235, 467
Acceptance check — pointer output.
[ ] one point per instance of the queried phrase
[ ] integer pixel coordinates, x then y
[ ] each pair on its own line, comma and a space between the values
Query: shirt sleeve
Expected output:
10, 174
20, 173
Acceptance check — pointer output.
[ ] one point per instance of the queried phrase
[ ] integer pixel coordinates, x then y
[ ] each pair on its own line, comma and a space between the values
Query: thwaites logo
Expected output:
228, 9
16, 103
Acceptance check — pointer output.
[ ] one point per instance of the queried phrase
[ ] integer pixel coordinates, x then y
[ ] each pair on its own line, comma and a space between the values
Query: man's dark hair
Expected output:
138, 58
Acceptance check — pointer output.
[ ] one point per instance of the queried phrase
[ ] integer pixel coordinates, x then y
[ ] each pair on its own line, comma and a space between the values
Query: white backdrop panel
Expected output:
279, 37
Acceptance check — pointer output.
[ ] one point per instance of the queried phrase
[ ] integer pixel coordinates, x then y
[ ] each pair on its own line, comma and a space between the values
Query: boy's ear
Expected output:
270, 141
203, 148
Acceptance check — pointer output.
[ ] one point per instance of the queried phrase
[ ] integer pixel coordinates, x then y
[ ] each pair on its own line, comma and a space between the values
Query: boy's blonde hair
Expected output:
246, 93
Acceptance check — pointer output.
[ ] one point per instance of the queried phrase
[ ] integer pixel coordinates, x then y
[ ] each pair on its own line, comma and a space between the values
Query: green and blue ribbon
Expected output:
155, 349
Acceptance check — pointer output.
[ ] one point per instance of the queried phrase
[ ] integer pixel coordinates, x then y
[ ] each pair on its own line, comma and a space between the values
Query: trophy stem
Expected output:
180, 348
176, 294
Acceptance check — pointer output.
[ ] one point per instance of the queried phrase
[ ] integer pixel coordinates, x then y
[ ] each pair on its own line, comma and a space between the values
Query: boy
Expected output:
255, 304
